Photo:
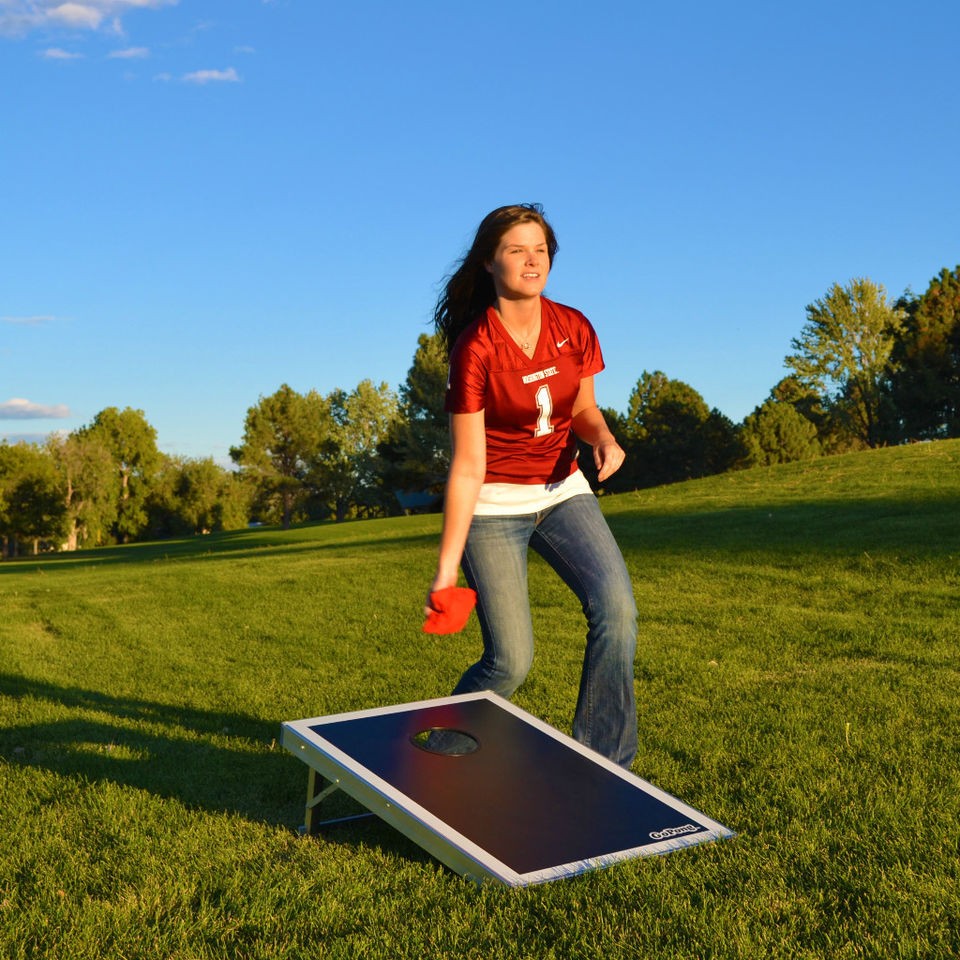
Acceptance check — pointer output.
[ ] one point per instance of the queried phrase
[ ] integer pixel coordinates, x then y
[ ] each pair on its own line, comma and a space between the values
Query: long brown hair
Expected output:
469, 290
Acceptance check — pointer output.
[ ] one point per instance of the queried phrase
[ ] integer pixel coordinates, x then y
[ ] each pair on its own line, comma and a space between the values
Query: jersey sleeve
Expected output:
592, 355
466, 381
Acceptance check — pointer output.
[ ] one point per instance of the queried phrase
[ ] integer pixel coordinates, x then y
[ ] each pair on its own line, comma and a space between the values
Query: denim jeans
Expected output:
573, 537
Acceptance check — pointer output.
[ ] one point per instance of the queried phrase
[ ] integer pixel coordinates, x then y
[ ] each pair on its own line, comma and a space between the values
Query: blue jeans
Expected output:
573, 537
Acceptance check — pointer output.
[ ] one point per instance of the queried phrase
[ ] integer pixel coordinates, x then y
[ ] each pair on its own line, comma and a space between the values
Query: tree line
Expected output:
864, 372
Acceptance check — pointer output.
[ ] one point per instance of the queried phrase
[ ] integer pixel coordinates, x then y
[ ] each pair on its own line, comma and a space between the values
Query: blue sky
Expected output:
202, 200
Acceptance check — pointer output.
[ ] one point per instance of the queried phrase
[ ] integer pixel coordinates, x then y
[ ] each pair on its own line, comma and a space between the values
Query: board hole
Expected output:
445, 741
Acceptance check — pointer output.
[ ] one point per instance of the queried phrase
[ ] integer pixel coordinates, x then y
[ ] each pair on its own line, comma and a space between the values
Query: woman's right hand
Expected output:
440, 582
467, 468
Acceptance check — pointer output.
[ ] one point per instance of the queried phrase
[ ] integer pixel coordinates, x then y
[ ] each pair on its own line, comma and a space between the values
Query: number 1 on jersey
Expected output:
545, 406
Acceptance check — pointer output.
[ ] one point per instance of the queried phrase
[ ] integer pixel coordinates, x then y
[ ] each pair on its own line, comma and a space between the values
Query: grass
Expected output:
798, 680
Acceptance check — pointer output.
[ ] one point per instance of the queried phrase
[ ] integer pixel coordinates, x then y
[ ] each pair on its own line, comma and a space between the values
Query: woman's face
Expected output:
521, 262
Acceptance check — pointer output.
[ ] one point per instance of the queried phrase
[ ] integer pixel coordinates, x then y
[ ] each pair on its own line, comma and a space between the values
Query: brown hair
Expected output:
469, 290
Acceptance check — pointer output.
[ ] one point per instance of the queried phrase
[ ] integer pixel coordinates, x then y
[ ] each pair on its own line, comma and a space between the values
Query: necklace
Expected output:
525, 342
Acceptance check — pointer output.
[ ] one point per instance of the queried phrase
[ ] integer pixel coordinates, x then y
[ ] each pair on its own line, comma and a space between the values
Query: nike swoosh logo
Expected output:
560, 343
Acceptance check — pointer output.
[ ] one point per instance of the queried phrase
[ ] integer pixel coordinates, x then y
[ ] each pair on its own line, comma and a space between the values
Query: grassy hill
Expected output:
798, 679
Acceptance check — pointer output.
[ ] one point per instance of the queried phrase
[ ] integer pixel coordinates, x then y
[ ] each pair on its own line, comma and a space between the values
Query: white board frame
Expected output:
439, 839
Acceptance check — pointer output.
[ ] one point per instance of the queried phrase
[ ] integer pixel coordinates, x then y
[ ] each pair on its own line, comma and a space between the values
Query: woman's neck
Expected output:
521, 320
519, 314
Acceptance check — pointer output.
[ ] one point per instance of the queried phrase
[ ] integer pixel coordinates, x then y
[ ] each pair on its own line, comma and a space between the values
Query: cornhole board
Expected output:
521, 804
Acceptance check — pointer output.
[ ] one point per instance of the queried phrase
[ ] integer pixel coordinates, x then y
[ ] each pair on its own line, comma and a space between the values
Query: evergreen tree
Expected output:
282, 440
417, 452
670, 434
777, 432
924, 387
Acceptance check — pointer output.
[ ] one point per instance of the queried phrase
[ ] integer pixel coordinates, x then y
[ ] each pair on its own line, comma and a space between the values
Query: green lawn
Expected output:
798, 679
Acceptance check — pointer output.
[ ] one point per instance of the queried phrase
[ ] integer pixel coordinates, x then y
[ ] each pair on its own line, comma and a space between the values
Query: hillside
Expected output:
798, 679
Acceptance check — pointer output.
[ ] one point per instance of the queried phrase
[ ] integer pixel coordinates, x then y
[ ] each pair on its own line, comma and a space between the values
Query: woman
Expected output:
519, 395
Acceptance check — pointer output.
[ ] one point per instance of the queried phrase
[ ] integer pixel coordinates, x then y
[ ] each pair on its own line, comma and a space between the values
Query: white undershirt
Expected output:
511, 499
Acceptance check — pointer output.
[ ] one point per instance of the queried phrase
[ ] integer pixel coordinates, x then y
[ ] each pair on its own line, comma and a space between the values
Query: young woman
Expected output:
519, 395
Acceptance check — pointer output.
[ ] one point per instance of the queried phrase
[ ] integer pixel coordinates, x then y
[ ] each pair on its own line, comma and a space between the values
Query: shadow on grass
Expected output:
170, 750
925, 524
928, 526
208, 760
239, 545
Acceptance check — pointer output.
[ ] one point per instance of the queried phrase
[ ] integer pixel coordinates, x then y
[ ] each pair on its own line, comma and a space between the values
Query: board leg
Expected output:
318, 789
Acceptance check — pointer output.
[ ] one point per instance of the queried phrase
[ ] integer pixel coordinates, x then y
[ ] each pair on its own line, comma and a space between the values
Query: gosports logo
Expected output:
674, 831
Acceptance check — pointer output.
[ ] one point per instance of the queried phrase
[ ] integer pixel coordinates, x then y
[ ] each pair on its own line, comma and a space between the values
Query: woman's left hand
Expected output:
608, 455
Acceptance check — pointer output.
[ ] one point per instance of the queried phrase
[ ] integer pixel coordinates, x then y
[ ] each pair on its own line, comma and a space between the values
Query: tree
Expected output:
722, 443
132, 443
211, 498
89, 480
670, 434
32, 506
925, 383
4, 503
349, 467
197, 496
417, 451
163, 509
617, 483
776, 432
843, 353
833, 434
282, 440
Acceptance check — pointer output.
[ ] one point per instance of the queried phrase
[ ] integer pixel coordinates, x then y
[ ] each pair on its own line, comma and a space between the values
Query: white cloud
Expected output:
55, 53
77, 15
18, 17
34, 321
19, 409
131, 53
213, 76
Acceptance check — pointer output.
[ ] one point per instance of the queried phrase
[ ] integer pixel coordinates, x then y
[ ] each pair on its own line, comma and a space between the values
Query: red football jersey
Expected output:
527, 403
